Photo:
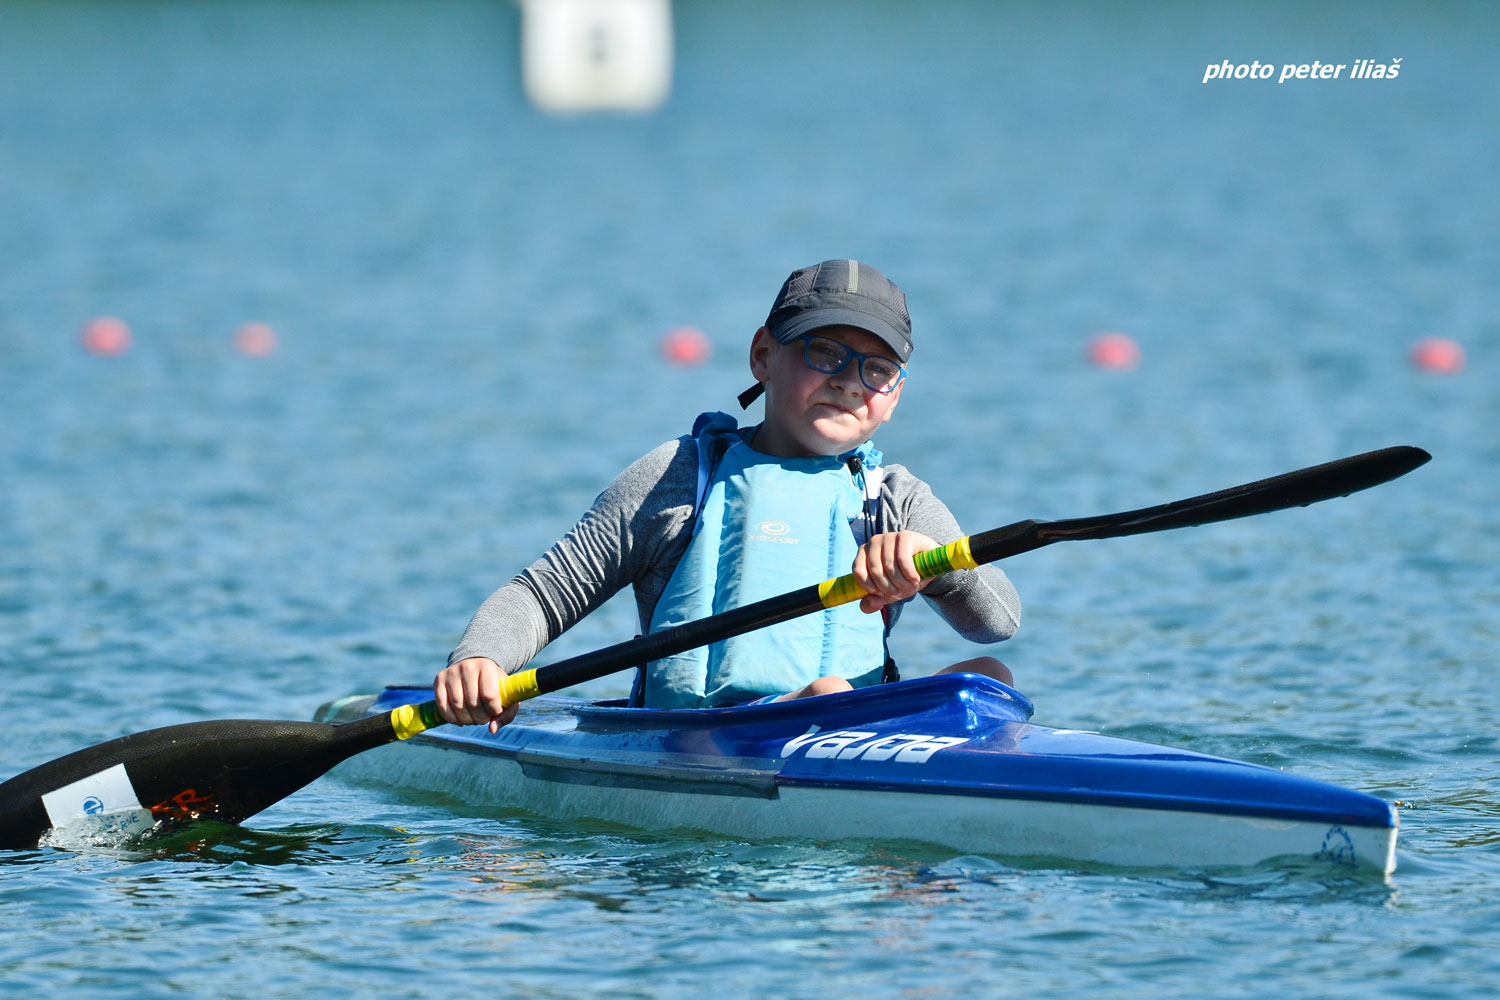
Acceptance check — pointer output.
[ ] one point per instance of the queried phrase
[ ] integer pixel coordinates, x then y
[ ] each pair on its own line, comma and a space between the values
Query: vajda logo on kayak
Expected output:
848, 744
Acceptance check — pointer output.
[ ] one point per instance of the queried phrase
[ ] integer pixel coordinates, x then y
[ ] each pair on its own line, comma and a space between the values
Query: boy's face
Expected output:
809, 412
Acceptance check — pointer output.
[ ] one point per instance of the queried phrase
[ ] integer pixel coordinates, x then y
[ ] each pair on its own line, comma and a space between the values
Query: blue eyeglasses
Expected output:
827, 355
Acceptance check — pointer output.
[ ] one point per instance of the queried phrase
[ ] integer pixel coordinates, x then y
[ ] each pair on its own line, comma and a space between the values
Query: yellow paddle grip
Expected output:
409, 720
518, 687
933, 562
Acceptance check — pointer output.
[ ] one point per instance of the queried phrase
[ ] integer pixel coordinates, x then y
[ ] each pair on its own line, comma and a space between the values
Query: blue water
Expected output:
470, 297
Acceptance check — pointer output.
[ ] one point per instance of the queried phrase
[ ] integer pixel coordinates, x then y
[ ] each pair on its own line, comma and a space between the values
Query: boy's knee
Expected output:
823, 685
828, 685
986, 665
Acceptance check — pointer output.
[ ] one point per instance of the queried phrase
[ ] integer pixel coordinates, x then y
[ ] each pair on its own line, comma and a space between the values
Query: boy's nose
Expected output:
847, 379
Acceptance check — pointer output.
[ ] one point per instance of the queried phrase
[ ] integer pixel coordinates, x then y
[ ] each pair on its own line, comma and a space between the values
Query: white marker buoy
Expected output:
596, 55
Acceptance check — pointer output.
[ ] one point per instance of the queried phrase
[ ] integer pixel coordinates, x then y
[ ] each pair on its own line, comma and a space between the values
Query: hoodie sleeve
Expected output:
980, 604
633, 534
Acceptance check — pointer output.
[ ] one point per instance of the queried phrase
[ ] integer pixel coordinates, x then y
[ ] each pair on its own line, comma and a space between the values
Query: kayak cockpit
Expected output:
967, 702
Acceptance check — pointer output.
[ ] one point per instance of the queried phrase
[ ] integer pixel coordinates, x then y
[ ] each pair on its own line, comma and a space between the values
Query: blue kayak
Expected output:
951, 760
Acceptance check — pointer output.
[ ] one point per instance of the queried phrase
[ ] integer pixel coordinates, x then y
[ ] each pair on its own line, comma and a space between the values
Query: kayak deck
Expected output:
950, 759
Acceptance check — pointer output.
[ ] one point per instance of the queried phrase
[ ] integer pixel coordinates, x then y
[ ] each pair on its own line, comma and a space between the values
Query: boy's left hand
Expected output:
884, 566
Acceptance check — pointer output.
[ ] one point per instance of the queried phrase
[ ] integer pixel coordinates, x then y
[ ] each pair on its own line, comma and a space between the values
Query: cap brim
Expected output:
815, 319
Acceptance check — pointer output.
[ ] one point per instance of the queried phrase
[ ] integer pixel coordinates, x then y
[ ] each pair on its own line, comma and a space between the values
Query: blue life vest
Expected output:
767, 525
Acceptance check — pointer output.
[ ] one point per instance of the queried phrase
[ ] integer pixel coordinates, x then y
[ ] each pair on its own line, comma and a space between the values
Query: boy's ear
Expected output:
761, 347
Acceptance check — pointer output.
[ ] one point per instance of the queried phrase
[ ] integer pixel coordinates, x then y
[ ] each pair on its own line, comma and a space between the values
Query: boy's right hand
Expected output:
468, 693
886, 570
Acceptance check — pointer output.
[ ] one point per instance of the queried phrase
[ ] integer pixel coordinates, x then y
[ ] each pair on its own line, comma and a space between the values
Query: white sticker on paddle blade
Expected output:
106, 792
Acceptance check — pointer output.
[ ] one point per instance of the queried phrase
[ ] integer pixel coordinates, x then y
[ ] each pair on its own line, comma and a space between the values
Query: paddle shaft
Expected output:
1292, 489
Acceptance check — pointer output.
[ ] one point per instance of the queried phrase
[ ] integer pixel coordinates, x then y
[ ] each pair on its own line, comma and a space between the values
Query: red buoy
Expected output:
256, 340
686, 346
1114, 350
105, 335
1438, 354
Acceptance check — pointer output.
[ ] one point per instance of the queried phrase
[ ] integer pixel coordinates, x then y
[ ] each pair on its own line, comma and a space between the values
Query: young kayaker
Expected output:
727, 515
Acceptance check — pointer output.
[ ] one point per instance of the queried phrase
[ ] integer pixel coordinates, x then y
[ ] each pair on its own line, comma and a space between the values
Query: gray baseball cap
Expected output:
842, 293
839, 293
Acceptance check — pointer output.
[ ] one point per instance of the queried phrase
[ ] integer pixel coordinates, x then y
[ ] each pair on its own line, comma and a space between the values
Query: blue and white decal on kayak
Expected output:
903, 748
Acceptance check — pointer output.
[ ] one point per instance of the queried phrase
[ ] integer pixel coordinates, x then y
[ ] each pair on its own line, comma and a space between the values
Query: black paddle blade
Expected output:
1291, 489
225, 771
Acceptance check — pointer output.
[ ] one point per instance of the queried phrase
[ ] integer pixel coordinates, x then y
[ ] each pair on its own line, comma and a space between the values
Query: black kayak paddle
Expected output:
229, 770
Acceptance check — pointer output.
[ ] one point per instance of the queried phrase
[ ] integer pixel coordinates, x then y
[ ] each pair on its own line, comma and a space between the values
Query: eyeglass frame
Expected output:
850, 354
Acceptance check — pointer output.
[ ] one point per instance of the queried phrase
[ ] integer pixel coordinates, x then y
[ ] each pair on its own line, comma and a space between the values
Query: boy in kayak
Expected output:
727, 515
